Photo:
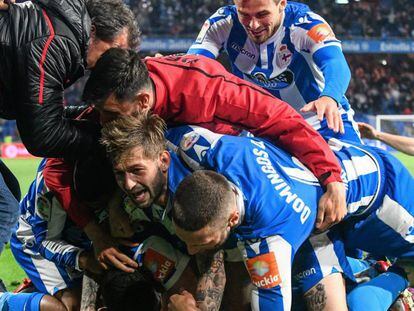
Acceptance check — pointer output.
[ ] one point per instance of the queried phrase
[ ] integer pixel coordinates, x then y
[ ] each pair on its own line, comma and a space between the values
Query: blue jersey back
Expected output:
275, 186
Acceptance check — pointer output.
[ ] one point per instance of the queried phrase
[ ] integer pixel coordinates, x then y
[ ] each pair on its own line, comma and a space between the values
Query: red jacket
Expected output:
194, 89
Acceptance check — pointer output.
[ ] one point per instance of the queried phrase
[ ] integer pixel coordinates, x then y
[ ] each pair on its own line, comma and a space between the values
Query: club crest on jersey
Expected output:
161, 267
203, 32
44, 206
189, 140
283, 56
279, 82
321, 32
264, 271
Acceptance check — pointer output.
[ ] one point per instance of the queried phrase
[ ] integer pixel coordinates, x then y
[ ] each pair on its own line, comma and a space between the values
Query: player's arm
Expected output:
318, 39
401, 143
210, 287
212, 35
43, 129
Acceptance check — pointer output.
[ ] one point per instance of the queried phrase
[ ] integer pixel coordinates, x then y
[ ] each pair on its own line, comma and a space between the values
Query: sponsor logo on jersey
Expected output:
304, 274
161, 267
279, 82
321, 32
242, 50
264, 271
189, 140
203, 32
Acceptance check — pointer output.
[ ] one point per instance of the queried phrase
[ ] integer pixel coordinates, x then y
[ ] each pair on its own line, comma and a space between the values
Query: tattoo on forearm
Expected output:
212, 280
89, 294
316, 298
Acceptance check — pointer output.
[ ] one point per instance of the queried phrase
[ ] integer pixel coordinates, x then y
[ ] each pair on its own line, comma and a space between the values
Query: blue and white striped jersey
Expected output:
301, 62
43, 226
276, 188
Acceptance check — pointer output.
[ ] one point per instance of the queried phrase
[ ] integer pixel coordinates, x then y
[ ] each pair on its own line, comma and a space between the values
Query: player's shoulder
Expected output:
224, 13
300, 15
192, 138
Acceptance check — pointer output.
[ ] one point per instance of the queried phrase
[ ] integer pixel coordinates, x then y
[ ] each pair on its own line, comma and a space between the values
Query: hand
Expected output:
367, 131
326, 107
4, 5
182, 302
108, 253
88, 262
106, 249
332, 206
156, 55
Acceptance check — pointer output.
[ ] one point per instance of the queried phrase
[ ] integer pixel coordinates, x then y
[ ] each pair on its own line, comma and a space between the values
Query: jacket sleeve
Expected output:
58, 176
43, 128
200, 90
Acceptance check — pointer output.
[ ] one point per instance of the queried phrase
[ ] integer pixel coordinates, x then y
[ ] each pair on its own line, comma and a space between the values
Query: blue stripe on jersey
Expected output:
306, 81
202, 52
237, 36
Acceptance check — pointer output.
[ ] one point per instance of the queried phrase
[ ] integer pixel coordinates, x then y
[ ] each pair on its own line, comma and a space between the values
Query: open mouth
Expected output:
139, 196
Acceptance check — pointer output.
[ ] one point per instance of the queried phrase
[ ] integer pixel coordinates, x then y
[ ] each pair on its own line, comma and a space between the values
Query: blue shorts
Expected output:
385, 230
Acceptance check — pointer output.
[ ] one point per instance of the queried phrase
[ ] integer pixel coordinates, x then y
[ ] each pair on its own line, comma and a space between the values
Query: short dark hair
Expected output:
202, 198
124, 291
119, 72
110, 17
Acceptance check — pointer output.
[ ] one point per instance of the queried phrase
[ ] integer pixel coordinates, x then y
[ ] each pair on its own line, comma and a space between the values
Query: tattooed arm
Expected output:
211, 282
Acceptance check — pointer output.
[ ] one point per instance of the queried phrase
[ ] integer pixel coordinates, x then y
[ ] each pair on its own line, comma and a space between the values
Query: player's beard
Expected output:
154, 190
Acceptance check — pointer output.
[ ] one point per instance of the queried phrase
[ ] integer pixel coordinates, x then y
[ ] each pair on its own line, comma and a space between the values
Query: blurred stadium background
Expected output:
377, 38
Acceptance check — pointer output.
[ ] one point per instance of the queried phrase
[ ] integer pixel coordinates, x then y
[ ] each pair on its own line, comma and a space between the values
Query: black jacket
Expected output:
42, 51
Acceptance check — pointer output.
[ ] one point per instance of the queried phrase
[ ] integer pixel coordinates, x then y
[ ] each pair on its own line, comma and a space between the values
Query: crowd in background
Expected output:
368, 18
381, 84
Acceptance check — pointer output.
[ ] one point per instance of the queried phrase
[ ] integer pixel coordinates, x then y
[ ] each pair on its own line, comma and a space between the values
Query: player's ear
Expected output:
234, 219
165, 160
143, 100
282, 6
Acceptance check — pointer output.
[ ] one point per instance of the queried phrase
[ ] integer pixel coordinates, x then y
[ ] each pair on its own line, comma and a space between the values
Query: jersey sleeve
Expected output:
213, 34
58, 177
313, 36
193, 144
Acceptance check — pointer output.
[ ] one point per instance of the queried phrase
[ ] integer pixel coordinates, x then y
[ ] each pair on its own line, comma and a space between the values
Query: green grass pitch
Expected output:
25, 170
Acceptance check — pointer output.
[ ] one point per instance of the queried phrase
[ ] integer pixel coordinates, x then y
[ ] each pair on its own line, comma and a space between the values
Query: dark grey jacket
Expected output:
43, 47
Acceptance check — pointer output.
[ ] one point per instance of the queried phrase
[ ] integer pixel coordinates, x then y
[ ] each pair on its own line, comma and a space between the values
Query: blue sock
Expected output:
379, 293
20, 302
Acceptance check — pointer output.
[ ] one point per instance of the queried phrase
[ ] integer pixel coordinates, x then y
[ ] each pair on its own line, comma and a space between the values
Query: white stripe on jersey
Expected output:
354, 206
325, 253
397, 217
359, 166
49, 274
283, 252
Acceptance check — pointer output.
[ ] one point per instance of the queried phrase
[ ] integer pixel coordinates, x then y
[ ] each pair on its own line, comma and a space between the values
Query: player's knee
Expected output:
50, 303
